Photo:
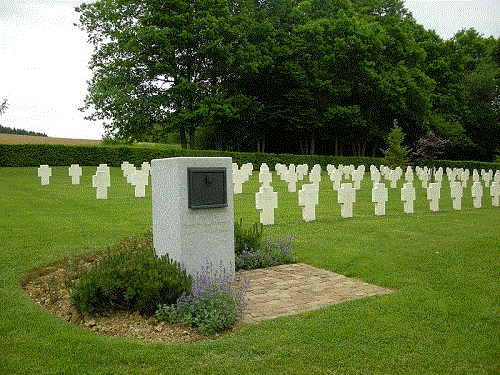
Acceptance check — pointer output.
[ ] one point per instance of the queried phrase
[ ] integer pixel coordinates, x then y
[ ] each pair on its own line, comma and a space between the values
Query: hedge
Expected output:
31, 155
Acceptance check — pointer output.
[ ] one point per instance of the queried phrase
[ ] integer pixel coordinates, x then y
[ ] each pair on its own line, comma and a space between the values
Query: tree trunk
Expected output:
191, 130
313, 141
182, 135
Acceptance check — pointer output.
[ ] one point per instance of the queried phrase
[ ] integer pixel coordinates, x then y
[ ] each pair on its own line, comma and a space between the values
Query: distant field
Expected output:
15, 139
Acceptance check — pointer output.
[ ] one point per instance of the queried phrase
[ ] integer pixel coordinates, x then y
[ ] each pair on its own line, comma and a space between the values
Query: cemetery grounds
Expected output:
444, 317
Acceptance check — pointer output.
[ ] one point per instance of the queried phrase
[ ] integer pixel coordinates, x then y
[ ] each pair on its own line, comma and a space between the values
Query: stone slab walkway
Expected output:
295, 288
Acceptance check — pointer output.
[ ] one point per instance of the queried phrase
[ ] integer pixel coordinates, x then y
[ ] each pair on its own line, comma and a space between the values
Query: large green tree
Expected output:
156, 62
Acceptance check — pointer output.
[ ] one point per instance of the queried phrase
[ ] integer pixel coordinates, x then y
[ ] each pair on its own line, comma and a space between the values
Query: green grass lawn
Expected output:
443, 319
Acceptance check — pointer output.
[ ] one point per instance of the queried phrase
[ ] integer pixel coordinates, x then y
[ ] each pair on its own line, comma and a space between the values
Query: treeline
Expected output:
7, 130
287, 76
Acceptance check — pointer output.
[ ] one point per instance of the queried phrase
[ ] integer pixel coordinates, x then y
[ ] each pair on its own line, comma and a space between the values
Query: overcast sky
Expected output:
44, 57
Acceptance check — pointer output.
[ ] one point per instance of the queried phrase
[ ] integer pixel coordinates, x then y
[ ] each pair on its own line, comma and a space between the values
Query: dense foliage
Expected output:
129, 277
327, 76
213, 306
252, 251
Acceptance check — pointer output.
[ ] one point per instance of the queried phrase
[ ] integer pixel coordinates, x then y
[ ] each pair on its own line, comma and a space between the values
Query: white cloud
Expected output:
447, 17
44, 69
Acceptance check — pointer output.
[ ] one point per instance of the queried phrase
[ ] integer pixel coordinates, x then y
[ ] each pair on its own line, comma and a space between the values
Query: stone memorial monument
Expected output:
193, 220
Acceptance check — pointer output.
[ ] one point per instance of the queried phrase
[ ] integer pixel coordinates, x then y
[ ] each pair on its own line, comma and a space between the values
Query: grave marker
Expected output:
266, 200
315, 176
101, 182
456, 192
464, 177
495, 193
265, 177
139, 179
75, 172
44, 172
433, 196
379, 197
408, 197
346, 197
291, 179
477, 194
308, 199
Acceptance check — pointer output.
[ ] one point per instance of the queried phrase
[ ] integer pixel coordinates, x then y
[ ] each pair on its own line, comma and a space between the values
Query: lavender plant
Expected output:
213, 306
269, 253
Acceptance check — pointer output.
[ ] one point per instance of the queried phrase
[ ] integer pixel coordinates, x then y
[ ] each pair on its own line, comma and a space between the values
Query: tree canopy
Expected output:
312, 76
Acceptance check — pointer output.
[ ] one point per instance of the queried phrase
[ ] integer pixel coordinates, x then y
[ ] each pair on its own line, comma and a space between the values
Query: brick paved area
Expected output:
295, 288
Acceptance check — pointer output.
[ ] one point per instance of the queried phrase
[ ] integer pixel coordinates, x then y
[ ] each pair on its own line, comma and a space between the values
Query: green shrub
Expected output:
247, 238
213, 306
129, 277
270, 253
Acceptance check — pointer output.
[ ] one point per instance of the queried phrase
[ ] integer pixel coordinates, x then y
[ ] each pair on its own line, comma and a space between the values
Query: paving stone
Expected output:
296, 288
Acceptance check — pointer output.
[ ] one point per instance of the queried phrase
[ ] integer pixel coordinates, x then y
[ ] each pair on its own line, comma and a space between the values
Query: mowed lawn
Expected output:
443, 319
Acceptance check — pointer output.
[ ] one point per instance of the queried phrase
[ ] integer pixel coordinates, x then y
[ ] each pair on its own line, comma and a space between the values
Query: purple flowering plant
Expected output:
270, 253
213, 306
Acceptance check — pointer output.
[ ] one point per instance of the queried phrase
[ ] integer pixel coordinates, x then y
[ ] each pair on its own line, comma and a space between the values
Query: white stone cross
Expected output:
379, 197
477, 194
409, 175
456, 192
291, 179
424, 177
265, 177
497, 176
280, 170
301, 170
75, 172
146, 167
487, 177
357, 176
374, 175
464, 177
408, 197
101, 182
495, 193
433, 195
346, 197
104, 168
139, 179
438, 176
44, 172
247, 170
266, 200
315, 176
475, 175
238, 179
308, 199
336, 178
124, 167
393, 176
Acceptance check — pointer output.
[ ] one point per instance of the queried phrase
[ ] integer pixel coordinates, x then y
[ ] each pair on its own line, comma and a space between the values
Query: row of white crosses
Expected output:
266, 199
101, 181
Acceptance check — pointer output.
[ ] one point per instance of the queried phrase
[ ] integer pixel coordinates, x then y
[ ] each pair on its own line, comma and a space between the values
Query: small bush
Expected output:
129, 277
270, 253
213, 306
249, 238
